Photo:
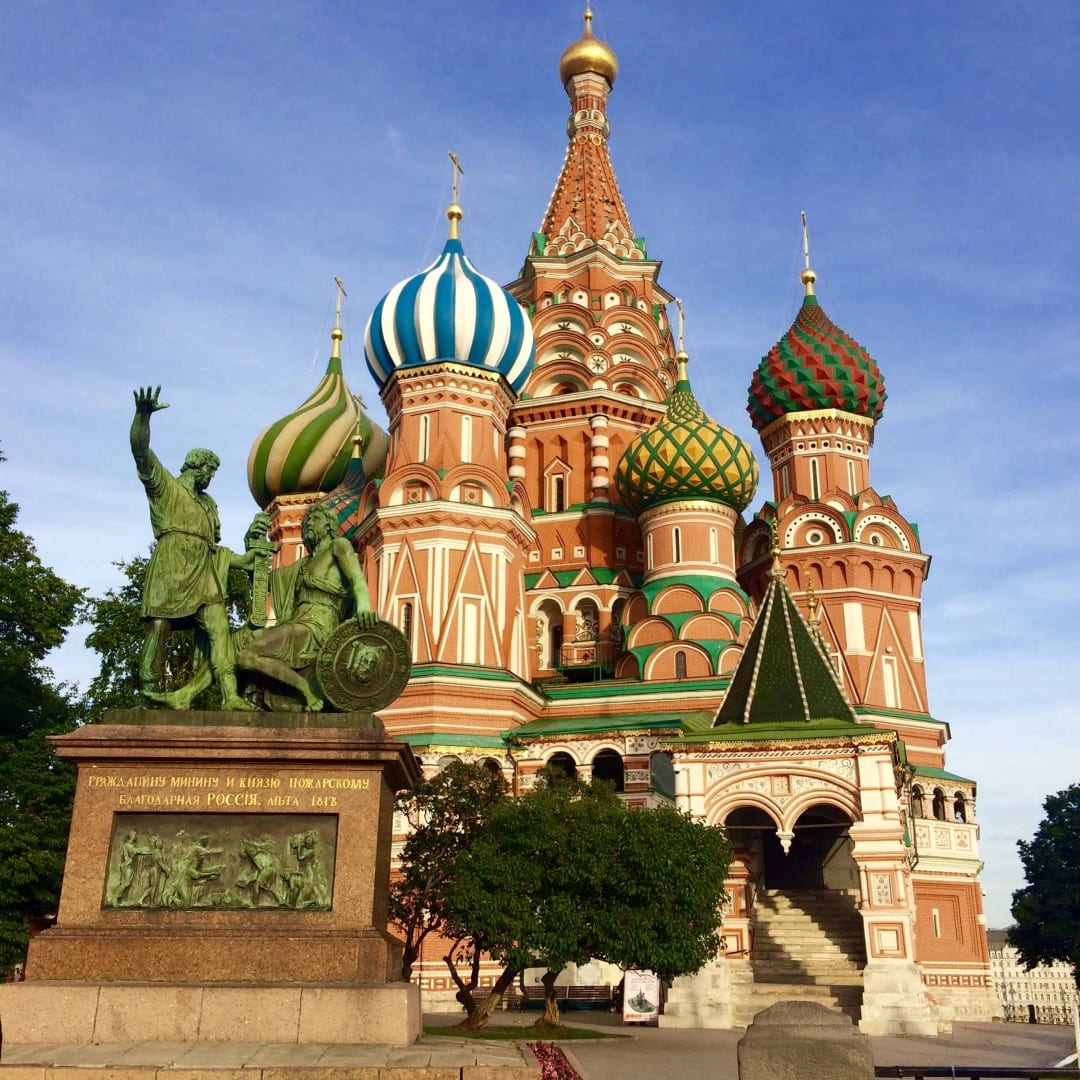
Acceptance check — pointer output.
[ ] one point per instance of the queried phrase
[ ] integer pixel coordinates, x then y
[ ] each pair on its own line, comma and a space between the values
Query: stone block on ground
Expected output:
803, 1040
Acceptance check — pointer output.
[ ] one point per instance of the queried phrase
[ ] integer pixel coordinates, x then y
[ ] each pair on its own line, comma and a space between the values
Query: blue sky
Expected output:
181, 181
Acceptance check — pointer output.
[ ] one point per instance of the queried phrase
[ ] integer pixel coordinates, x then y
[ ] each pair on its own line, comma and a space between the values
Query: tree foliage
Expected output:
1047, 909
567, 872
37, 608
445, 813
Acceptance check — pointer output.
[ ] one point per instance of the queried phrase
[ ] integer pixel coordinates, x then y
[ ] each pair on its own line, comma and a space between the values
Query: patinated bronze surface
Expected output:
222, 862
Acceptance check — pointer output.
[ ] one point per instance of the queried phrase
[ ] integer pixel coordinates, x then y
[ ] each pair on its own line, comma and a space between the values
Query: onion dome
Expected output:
450, 312
815, 365
308, 450
686, 456
587, 54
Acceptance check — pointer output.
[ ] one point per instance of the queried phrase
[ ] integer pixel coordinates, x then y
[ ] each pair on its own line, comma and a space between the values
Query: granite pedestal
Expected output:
226, 878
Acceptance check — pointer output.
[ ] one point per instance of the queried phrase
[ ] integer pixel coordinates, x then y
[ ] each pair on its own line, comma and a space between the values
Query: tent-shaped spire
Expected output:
784, 676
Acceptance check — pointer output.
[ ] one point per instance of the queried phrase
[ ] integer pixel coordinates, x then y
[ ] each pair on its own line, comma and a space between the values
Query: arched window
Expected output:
959, 807
939, 804
562, 763
608, 765
491, 766
466, 439
815, 481
918, 807
680, 665
851, 478
425, 438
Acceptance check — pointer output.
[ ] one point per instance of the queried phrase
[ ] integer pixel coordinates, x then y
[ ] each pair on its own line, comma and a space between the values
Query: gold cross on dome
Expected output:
678, 304
458, 171
340, 293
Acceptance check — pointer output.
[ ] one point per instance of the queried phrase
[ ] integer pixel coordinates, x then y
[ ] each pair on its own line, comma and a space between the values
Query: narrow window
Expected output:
425, 438
785, 485
937, 921
851, 478
815, 483
714, 547
676, 543
406, 622
892, 682
466, 439
558, 494
680, 665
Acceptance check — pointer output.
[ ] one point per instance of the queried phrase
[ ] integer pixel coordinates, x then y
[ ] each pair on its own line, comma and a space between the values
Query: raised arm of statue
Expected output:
146, 404
353, 574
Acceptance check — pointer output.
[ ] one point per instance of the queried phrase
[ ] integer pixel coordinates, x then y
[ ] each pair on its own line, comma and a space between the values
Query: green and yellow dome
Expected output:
686, 456
308, 450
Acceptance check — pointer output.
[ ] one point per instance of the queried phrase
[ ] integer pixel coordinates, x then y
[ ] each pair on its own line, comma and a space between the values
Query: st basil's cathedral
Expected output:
573, 550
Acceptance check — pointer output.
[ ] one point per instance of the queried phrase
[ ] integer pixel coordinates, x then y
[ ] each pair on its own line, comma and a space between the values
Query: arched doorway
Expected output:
608, 765
816, 855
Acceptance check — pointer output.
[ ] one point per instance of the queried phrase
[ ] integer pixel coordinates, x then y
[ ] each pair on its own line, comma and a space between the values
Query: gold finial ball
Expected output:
337, 333
588, 54
682, 357
808, 277
454, 212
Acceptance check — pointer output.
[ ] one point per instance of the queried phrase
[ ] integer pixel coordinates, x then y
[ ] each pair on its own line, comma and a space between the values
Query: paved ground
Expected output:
659, 1053
645, 1054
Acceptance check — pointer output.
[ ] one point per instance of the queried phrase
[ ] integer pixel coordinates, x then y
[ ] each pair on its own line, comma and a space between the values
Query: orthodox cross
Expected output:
678, 304
340, 293
805, 240
458, 171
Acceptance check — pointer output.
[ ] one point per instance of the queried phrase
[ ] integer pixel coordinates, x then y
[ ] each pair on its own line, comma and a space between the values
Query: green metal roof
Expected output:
446, 738
934, 773
577, 725
784, 675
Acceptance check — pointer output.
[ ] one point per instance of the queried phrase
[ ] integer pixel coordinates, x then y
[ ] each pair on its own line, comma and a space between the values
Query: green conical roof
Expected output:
785, 676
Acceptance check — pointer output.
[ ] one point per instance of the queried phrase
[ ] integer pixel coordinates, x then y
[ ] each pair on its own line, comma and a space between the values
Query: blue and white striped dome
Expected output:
450, 311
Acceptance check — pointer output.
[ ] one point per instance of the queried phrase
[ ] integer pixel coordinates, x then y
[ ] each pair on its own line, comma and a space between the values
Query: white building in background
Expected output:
1044, 995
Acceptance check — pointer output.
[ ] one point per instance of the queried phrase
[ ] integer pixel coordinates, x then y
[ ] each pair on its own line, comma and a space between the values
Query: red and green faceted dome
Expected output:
686, 456
815, 365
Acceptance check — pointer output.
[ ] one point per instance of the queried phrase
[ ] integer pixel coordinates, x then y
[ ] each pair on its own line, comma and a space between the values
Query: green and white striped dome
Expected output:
308, 450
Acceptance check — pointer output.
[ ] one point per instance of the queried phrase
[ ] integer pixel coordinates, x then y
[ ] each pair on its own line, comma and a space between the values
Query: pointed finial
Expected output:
454, 213
588, 19
807, 277
776, 571
337, 333
682, 317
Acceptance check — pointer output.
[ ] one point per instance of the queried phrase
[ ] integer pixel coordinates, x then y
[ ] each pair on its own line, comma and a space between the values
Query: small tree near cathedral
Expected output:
567, 873
1047, 909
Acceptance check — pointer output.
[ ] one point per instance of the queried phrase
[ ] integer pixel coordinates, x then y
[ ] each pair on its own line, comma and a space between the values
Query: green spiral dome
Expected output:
308, 450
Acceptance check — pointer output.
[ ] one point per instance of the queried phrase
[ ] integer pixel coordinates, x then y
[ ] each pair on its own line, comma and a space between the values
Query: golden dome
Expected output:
588, 53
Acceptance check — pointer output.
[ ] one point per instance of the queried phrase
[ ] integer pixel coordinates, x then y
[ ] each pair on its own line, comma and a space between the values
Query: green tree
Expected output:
445, 813
37, 608
568, 872
1047, 909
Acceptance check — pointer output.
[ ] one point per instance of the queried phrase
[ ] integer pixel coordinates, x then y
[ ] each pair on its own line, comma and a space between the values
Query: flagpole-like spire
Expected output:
808, 277
454, 212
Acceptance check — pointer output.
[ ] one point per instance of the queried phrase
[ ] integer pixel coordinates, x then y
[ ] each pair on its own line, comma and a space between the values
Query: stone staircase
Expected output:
808, 945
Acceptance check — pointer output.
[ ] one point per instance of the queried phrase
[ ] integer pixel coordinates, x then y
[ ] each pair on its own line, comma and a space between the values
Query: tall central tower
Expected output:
605, 364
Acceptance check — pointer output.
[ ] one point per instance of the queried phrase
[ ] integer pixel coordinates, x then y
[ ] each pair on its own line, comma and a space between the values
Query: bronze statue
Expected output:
311, 598
183, 584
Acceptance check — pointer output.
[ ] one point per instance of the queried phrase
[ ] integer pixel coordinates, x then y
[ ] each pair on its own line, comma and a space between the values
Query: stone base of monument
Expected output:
804, 1040
226, 879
